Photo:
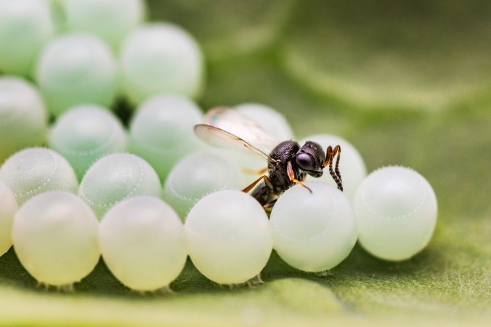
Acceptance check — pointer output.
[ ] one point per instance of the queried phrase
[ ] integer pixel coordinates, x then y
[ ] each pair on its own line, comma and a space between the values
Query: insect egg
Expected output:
351, 164
55, 238
161, 59
228, 236
37, 170
396, 211
269, 119
120, 17
197, 175
85, 133
116, 177
143, 243
161, 132
76, 68
25, 26
23, 116
313, 231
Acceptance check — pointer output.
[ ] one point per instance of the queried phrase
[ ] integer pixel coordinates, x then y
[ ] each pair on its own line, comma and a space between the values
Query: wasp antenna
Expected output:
336, 175
336, 178
337, 150
328, 157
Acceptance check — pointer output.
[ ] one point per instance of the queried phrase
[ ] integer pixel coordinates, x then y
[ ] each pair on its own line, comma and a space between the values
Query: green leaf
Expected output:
392, 54
323, 64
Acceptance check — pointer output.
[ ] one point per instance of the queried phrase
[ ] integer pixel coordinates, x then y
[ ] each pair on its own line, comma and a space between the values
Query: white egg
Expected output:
23, 116
25, 26
197, 175
271, 120
8, 208
116, 177
76, 68
313, 231
161, 58
161, 132
351, 164
229, 238
396, 211
85, 133
37, 170
111, 20
143, 243
55, 238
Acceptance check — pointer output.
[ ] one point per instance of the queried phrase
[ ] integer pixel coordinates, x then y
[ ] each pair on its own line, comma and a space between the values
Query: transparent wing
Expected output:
238, 124
223, 139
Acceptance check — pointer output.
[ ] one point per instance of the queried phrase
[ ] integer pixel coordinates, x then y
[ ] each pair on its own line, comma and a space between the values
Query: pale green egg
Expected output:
37, 170
111, 20
273, 123
351, 164
55, 237
76, 68
143, 243
229, 237
161, 132
25, 26
116, 177
161, 58
23, 116
197, 175
313, 231
8, 208
86, 133
271, 120
396, 210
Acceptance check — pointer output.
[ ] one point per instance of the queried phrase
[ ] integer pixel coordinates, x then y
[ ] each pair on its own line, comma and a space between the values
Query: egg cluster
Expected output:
149, 195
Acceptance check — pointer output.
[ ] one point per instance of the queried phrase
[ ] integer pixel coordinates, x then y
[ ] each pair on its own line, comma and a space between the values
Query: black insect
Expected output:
288, 162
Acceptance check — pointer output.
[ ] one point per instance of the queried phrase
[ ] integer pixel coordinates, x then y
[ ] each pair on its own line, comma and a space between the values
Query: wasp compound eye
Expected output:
305, 161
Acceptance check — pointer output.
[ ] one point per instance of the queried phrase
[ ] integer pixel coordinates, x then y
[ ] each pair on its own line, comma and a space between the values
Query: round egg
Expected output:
161, 132
116, 177
313, 231
143, 243
55, 238
271, 120
351, 164
23, 116
8, 208
197, 175
25, 27
111, 20
161, 58
229, 238
76, 68
86, 133
396, 211
37, 170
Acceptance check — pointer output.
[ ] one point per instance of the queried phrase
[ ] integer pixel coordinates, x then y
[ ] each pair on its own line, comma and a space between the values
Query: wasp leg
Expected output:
266, 180
255, 172
269, 205
291, 176
336, 175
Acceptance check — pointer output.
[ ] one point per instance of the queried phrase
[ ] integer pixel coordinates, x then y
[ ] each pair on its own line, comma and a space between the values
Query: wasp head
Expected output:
310, 158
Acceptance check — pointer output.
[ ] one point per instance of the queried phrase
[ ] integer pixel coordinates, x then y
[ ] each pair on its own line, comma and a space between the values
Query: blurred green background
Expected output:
408, 83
